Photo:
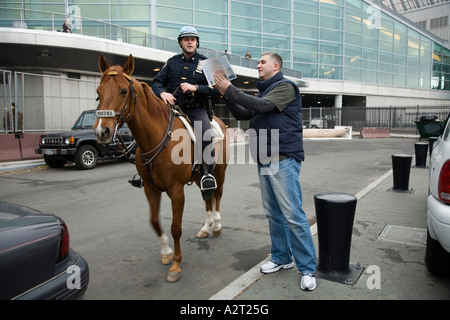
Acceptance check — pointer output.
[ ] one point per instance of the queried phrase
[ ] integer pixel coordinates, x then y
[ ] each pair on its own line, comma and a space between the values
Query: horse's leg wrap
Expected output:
204, 232
217, 227
166, 251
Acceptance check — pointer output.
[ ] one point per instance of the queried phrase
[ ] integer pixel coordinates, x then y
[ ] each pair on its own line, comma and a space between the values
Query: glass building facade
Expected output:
352, 40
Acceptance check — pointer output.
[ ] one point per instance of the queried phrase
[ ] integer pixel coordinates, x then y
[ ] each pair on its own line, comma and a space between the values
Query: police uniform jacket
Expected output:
179, 69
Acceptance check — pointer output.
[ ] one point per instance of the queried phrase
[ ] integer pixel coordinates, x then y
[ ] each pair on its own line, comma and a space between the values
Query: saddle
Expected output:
217, 133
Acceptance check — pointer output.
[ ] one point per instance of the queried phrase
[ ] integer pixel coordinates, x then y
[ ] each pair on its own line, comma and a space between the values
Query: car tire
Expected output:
86, 157
53, 162
436, 258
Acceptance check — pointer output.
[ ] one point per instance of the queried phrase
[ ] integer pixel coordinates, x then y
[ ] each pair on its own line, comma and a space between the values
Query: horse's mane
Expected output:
156, 106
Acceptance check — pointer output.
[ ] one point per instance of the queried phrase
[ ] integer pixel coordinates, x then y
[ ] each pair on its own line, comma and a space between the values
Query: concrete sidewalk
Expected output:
24, 164
388, 240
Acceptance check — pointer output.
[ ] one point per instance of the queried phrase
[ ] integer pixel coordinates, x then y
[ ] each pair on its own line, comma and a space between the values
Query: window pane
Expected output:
400, 62
306, 32
306, 19
353, 39
354, 62
385, 78
330, 35
370, 65
211, 19
305, 57
245, 24
276, 42
276, 27
306, 6
386, 46
94, 11
385, 67
219, 6
331, 23
370, 43
330, 59
277, 3
305, 45
130, 12
276, 14
212, 34
369, 76
356, 4
352, 74
173, 3
370, 54
308, 70
174, 15
399, 80
330, 72
247, 10
245, 38
331, 48
330, 10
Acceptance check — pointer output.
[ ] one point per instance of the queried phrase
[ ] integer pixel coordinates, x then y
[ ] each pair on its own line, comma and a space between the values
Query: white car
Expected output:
437, 256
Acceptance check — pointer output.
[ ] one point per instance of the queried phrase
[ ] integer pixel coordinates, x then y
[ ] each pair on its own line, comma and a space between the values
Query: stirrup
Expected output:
209, 179
136, 182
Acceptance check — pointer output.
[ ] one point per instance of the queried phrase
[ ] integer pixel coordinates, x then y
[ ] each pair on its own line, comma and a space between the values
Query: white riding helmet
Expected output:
188, 31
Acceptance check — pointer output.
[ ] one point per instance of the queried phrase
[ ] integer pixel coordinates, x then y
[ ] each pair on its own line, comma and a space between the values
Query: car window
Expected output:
86, 120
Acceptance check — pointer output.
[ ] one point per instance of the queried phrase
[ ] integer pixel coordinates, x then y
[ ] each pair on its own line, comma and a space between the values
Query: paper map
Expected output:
217, 64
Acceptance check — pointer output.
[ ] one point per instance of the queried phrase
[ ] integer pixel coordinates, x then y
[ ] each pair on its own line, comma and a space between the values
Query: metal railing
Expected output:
379, 117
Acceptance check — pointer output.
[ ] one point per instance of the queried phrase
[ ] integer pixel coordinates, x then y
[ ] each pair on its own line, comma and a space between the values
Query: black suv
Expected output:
79, 145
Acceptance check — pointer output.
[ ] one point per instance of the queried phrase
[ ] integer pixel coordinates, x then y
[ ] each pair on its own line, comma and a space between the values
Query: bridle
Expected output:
126, 114
131, 96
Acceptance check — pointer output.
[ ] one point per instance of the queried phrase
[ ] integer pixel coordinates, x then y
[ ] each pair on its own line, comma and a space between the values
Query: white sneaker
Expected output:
271, 267
308, 282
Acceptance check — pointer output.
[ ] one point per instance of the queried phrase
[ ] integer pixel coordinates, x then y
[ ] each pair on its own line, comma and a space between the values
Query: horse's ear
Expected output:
103, 63
128, 68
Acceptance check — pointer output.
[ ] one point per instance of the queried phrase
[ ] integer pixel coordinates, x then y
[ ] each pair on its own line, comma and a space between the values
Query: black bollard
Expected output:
401, 167
421, 149
431, 142
335, 213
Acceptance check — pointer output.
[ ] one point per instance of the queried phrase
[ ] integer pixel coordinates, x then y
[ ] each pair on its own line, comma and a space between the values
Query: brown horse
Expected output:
163, 160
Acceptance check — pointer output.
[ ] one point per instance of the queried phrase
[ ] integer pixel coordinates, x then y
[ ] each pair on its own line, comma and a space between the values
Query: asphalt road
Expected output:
108, 219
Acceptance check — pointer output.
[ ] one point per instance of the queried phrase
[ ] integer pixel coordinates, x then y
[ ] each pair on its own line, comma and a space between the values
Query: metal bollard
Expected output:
401, 167
421, 149
335, 214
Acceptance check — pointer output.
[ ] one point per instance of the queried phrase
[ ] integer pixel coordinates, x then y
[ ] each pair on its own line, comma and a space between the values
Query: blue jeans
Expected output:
282, 201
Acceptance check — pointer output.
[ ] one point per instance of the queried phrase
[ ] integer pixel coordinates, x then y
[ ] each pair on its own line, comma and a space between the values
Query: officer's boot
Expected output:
207, 183
136, 181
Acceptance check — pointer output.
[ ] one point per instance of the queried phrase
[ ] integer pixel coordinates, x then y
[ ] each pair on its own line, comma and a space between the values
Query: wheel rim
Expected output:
88, 158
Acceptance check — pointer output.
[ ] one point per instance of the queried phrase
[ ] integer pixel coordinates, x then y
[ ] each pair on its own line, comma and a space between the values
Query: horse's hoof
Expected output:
173, 276
217, 233
166, 258
202, 234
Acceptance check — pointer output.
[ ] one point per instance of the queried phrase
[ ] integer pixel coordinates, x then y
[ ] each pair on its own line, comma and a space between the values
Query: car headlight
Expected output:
69, 140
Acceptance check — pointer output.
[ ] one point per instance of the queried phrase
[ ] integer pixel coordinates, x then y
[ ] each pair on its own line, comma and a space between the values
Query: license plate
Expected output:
49, 152
105, 113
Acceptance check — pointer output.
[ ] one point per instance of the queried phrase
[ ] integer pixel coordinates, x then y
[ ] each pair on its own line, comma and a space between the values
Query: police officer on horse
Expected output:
181, 82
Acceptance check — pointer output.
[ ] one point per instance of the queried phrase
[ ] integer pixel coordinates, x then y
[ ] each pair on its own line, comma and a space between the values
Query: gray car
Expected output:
36, 261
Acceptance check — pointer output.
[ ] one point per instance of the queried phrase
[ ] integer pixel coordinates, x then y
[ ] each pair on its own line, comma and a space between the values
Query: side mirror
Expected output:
433, 129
